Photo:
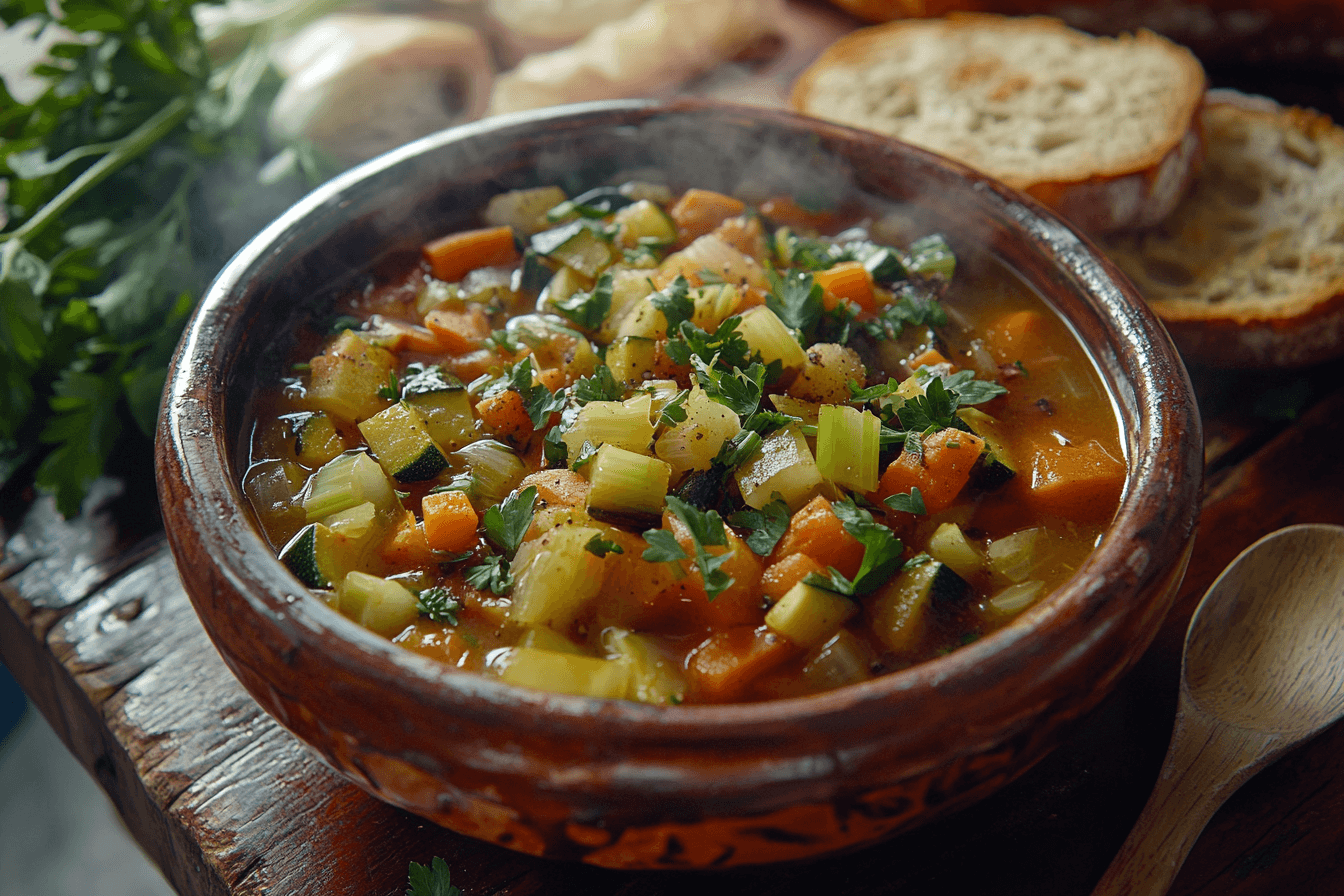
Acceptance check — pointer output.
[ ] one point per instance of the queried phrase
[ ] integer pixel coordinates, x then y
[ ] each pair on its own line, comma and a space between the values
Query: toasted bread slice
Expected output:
1101, 129
1249, 270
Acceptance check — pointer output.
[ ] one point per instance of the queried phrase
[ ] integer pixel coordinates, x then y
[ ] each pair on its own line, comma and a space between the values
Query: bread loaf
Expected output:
1249, 270
1101, 129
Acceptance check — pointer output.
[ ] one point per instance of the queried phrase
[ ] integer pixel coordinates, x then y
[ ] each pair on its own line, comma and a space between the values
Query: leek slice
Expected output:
782, 464
555, 577
627, 486
847, 446
348, 481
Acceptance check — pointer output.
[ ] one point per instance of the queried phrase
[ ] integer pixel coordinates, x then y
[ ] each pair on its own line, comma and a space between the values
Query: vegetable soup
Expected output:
671, 448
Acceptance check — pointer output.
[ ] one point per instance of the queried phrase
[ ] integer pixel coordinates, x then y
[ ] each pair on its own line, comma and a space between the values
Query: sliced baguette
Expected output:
1249, 270
1101, 129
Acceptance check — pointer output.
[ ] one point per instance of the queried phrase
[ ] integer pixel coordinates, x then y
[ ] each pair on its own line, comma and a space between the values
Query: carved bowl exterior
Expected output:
623, 784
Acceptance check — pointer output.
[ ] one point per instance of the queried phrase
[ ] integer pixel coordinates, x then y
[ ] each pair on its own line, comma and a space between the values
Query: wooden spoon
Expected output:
1263, 670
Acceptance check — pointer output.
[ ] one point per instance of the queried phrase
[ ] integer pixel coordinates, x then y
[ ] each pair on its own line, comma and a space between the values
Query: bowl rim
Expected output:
195, 462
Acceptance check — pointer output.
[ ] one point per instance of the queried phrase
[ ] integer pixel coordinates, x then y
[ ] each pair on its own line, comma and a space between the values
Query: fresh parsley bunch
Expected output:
128, 182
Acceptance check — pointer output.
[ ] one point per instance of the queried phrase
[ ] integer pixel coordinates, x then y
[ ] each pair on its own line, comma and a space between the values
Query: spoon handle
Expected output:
1205, 763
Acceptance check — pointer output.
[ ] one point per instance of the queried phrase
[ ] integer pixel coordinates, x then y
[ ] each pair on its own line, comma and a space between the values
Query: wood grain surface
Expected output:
96, 628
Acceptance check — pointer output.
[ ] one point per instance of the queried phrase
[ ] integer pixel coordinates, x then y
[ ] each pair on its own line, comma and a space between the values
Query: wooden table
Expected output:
96, 628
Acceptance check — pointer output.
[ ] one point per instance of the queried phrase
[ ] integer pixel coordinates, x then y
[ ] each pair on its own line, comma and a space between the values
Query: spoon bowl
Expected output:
1262, 671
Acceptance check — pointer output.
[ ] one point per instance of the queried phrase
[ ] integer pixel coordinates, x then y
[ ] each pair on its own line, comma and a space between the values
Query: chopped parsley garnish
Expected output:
674, 301
390, 390
674, 411
706, 529
502, 341
435, 880
491, 574
738, 390
601, 547
588, 309
796, 300
418, 379
913, 308
600, 386
911, 503
881, 553
931, 256
438, 604
508, 521
765, 526
539, 401
725, 346
963, 385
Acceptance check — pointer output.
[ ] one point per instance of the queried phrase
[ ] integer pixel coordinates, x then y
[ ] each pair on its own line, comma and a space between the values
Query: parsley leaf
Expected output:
725, 346
438, 604
601, 547
674, 411
706, 530
600, 386
675, 302
931, 256
490, 574
914, 307
502, 341
390, 390
911, 503
963, 384
738, 390
508, 521
588, 309
767, 526
881, 553
435, 880
931, 411
796, 300
539, 401
554, 449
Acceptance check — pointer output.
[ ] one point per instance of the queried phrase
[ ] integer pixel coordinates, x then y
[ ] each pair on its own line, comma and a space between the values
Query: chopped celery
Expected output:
401, 442
654, 678
1016, 598
272, 488
567, 673
625, 485
353, 522
631, 359
345, 482
609, 423
555, 577
495, 470
808, 615
694, 443
782, 464
847, 446
768, 336
378, 604
643, 320
949, 545
1014, 555
628, 287
806, 411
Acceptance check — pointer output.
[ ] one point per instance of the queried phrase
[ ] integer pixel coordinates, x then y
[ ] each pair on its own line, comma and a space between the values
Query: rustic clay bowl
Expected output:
624, 784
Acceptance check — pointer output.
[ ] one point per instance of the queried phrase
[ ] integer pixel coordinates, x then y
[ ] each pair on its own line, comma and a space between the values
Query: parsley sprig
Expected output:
438, 604
881, 553
765, 527
434, 880
706, 530
505, 525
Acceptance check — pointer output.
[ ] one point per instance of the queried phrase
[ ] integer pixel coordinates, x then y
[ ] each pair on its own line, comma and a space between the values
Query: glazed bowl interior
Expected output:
522, 768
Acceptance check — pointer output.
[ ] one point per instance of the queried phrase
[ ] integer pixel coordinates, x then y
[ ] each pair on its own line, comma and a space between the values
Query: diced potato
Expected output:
826, 376
694, 443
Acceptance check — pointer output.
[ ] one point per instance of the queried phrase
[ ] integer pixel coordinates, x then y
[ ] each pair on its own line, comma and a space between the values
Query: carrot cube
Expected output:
450, 521
454, 256
940, 472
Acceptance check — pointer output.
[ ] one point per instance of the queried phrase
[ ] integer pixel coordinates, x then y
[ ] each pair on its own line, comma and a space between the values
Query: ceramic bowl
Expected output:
625, 784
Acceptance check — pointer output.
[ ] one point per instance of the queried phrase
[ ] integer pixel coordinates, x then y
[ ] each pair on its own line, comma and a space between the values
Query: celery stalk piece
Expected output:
654, 678
627, 485
610, 423
344, 381
782, 464
555, 577
378, 604
347, 481
567, 673
847, 446
767, 334
809, 616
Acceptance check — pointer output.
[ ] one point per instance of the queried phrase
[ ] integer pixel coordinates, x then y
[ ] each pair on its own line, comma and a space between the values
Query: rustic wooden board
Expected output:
97, 629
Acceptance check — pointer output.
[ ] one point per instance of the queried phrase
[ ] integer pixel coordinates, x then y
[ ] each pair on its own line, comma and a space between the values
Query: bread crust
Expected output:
1249, 271
1098, 184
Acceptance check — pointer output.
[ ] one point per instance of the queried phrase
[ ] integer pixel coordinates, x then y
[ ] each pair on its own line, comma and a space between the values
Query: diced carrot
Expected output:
1018, 336
779, 577
929, 358
564, 488
459, 332
664, 368
817, 532
505, 415
940, 472
848, 280
698, 212
454, 256
406, 545
450, 521
552, 378
738, 604
785, 211
1082, 481
725, 664
471, 365
422, 339
744, 234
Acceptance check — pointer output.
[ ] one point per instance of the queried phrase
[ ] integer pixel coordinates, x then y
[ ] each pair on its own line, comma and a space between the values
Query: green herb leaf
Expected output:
435, 880
913, 307
765, 526
725, 347
600, 386
663, 547
491, 574
675, 302
588, 309
963, 385
438, 604
587, 451
674, 411
508, 521
796, 300
419, 379
539, 401
911, 503
600, 547
391, 390
882, 549
738, 390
